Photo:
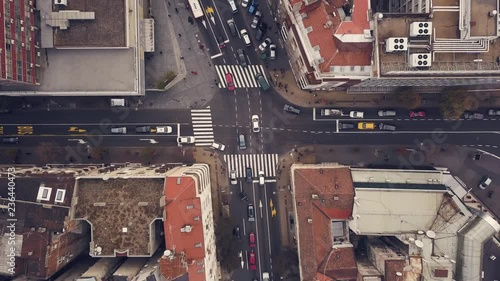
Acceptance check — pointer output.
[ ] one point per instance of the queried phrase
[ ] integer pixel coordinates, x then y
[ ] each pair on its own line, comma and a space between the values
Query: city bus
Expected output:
196, 8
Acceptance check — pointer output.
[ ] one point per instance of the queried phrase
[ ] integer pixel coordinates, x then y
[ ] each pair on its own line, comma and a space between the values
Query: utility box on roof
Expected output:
118, 102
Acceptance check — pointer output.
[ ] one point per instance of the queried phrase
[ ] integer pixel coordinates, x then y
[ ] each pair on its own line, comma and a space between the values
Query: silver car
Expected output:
119, 130
256, 19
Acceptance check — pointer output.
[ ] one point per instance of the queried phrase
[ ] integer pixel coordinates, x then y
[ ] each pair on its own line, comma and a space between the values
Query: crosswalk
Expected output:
243, 77
202, 126
258, 162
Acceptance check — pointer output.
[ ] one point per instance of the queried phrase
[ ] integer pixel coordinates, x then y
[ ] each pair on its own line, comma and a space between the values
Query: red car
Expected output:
251, 260
251, 239
414, 114
229, 81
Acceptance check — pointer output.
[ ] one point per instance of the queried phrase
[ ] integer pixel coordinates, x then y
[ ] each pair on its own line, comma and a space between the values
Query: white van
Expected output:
233, 6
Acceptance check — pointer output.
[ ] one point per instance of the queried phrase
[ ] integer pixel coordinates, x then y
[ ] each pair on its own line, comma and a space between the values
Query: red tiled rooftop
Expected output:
340, 264
182, 207
392, 267
333, 50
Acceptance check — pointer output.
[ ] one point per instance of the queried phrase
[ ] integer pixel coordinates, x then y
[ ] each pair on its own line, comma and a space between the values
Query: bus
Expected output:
196, 8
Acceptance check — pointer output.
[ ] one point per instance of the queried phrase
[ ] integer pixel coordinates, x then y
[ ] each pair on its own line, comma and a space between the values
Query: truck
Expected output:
330, 112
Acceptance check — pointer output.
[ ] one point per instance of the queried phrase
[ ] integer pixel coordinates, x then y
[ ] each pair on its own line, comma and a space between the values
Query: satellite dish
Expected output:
411, 239
167, 253
446, 256
419, 243
399, 273
453, 261
431, 234
420, 232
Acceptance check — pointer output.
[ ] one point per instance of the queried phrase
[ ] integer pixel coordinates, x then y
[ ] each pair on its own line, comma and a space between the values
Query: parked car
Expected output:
232, 26
248, 175
291, 109
251, 212
232, 178
485, 182
251, 260
251, 239
229, 81
346, 126
242, 59
265, 276
245, 37
494, 112
259, 34
233, 6
143, 129
256, 19
244, 3
386, 113
220, 41
415, 114
255, 124
262, 180
253, 7
119, 130
469, 115
386, 127
236, 232
262, 82
263, 46
241, 141
366, 126
218, 146
13, 140
272, 51
356, 114
163, 130
185, 140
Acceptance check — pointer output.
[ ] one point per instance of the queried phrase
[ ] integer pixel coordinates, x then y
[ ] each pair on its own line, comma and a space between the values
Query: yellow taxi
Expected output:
366, 126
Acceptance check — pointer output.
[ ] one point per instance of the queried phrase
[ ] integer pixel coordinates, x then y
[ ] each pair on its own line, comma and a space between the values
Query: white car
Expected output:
356, 114
485, 183
245, 37
164, 130
261, 178
265, 276
255, 124
185, 139
218, 146
232, 178
263, 45
244, 3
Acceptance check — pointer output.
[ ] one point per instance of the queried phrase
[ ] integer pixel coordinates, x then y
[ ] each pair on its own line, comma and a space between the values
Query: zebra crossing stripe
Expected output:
257, 162
243, 77
202, 126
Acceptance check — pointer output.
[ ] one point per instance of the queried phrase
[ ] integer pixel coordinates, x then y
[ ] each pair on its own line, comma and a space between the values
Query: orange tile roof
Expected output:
349, 54
184, 208
335, 190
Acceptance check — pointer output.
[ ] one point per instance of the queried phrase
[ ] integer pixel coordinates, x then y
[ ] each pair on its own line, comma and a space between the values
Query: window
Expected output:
44, 193
60, 195
362, 68
352, 68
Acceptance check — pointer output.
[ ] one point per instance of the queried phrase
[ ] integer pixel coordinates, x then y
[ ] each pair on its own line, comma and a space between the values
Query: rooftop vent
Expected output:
396, 44
420, 29
187, 228
420, 60
309, 220
315, 196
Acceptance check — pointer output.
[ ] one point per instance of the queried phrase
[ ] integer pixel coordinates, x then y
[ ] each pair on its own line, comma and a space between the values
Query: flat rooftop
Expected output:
456, 49
108, 29
120, 212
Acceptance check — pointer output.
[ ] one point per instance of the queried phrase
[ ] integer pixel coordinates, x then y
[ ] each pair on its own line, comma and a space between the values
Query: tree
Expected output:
408, 97
99, 152
452, 104
227, 246
48, 151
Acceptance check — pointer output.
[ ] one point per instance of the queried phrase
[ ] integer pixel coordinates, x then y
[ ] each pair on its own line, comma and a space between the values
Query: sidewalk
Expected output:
284, 83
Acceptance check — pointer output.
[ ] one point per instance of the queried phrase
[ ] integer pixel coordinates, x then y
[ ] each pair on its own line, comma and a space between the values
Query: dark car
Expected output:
220, 41
143, 129
242, 59
256, 19
253, 7
291, 109
11, 140
386, 127
248, 175
251, 212
259, 34
236, 232
263, 26
232, 27
346, 126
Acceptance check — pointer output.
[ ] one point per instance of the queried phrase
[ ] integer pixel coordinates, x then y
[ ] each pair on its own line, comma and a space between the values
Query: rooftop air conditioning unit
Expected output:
420, 29
396, 44
420, 60
61, 2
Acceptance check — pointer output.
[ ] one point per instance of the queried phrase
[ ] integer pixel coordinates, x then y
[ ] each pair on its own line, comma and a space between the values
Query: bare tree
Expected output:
408, 97
48, 151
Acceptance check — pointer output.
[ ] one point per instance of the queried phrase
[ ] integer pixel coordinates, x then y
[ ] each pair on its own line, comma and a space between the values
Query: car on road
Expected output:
218, 146
262, 82
251, 239
229, 81
386, 113
386, 127
232, 26
232, 177
253, 7
366, 126
13, 140
220, 41
256, 19
248, 175
291, 109
236, 232
261, 178
244, 3
241, 141
233, 6
330, 112
163, 130
143, 129
255, 124
272, 51
119, 130
251, 212
265, 276
251, 260
259, 34
243, 196
245, 37
356, 114
263, 46
469, 115
346, 126
415, 114
494, 112
485, 182
242, 59
185, 140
